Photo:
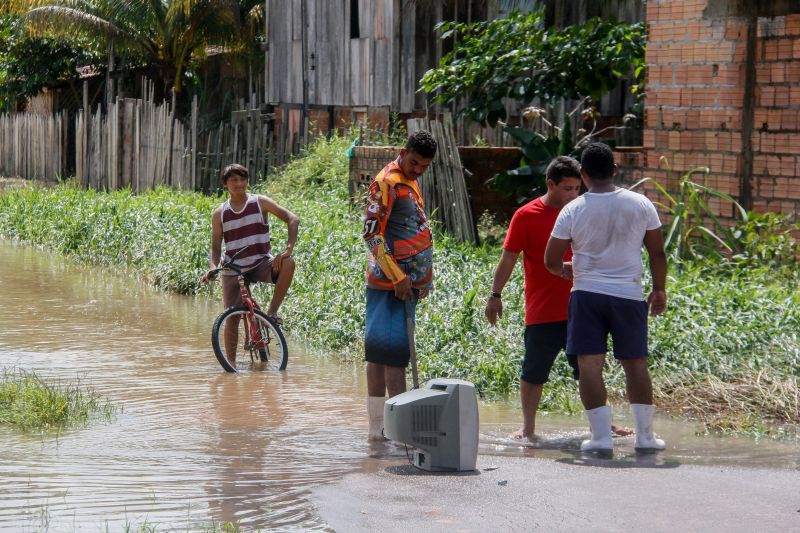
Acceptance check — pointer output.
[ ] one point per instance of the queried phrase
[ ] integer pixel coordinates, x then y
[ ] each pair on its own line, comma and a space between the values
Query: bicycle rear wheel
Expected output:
242, 341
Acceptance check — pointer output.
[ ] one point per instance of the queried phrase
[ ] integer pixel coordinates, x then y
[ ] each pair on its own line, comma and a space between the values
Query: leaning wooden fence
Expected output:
136, 144
32, 145
444, 188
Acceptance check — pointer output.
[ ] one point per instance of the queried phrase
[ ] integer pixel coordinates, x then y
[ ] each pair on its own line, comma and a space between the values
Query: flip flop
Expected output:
277, 319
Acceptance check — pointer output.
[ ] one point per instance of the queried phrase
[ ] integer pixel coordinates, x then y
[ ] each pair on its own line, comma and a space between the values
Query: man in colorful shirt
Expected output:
400, 270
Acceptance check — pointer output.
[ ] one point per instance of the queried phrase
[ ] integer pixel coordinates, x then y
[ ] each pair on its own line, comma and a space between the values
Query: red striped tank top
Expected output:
247, 227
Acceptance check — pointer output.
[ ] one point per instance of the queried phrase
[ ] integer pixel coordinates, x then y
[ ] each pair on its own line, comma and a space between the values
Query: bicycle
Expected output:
263, 340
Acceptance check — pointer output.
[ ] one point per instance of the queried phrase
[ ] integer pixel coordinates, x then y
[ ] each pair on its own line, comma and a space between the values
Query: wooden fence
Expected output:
136, 144
444, 189
139, 144
32, 145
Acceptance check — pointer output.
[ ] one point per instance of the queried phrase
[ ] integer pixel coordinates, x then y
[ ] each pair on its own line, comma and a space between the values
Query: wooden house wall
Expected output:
341, 71
395, 47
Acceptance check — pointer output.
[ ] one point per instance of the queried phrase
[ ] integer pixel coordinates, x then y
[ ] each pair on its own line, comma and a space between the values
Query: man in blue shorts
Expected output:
400, 270
606, 228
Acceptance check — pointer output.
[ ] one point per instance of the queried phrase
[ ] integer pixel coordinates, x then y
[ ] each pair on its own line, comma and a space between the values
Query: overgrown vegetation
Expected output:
518, 58
725, 322
28, 402
28, 63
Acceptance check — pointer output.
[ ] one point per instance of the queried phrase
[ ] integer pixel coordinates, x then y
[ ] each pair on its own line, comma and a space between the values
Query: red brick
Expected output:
777, 72
771, 50
792, 25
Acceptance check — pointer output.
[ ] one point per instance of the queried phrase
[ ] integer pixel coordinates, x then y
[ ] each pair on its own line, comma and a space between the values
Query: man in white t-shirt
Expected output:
606, 228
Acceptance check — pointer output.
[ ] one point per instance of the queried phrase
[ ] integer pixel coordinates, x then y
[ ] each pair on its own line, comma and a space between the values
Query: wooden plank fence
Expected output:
136, 144
32, 145
444, 188
139, 144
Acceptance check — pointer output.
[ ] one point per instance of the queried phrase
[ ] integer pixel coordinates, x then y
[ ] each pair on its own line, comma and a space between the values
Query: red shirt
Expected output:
546, 295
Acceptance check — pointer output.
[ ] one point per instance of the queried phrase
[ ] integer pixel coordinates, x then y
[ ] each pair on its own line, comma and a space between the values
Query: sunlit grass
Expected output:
31, 403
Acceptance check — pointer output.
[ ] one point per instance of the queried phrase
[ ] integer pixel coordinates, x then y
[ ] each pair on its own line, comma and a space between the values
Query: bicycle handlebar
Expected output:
230, 263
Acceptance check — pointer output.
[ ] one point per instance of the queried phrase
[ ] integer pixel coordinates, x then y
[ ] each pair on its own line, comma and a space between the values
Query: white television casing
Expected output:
440, 420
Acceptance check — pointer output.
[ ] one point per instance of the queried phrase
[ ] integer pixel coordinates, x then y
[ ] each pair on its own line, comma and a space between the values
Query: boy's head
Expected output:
417, 154
234, 170
597, 162
563, 167
563, 181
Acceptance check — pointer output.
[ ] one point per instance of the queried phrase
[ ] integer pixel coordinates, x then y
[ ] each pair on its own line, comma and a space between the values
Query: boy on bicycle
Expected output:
243, 220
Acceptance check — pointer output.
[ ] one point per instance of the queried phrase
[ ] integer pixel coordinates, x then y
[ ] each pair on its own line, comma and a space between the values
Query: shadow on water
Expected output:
611, 460
193, 445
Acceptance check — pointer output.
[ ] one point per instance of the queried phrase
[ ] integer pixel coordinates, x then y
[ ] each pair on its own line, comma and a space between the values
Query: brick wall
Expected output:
694, 104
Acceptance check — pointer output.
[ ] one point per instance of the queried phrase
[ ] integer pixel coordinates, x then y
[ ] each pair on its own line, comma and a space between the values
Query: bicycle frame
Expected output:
254, 339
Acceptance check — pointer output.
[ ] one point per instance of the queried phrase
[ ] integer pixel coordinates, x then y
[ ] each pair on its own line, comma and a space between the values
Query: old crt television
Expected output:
440, 420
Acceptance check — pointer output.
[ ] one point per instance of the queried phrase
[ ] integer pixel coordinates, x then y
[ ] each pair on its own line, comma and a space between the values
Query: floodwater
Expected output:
194, 446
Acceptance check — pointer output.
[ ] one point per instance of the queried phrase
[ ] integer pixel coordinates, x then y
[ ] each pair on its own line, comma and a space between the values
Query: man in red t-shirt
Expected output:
546, 295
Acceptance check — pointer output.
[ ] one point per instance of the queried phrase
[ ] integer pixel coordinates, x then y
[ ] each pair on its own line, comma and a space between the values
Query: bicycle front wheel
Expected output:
245, 341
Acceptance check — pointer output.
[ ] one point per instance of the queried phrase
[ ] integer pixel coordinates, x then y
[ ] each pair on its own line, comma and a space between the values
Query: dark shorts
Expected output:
593, 316
232, 294
543, 343
386, 334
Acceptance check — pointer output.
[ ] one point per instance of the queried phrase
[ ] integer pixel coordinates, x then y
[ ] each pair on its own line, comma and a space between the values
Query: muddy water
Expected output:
194, 446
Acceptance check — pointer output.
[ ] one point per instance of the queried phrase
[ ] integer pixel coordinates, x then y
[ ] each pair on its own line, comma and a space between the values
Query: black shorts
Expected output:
593, 316
543, 343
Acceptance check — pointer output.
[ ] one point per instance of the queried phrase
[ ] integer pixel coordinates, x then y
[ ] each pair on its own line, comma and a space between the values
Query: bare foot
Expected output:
521, 434
621, 431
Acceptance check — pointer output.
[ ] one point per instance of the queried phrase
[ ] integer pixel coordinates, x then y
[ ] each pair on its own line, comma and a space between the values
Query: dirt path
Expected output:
571, 494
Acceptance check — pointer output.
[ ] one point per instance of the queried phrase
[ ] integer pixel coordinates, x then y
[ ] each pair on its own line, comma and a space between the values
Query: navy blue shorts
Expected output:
543, 343
593, 316
386, 334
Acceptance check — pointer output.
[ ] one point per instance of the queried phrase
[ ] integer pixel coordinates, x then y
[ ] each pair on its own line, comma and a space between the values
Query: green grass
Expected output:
30, 403
723, 321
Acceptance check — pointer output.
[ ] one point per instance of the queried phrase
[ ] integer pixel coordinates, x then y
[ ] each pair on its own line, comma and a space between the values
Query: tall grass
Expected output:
29, 402
723, 321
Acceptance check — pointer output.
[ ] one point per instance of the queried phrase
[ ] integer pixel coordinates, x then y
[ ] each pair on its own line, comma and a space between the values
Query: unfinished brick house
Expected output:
723, 91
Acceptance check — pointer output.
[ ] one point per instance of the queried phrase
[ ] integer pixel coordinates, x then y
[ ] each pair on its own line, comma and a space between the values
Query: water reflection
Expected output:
194, 445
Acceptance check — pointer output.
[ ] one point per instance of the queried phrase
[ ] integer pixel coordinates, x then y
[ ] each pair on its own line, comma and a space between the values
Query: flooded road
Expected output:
194, 446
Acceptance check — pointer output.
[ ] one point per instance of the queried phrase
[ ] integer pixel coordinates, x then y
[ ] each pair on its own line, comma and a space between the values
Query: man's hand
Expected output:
566, 272
494, 309
657, 302
423, 293
209, 276
403, 290
278, 259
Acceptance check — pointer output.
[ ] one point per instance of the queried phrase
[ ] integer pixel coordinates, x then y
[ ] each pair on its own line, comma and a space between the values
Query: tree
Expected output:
517, 58
164, 34
27, 64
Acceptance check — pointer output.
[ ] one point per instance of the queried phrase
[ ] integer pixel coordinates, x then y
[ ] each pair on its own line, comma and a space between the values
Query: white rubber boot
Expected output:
375, 414
600, 424
645, 438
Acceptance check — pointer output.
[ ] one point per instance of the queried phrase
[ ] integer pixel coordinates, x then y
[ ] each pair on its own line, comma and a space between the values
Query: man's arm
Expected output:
654, 242
375, 219
494, 305
292, 222
554, 257
216, 244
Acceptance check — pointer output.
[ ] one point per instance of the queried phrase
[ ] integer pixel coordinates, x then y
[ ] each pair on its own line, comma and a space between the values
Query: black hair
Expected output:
598, 161
563, 167
234, 169
423, 143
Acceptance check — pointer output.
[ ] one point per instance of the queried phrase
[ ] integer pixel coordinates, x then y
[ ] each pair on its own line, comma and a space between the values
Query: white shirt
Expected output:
607, 232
